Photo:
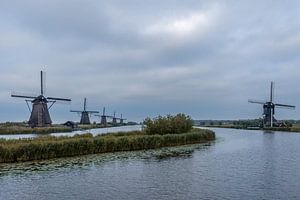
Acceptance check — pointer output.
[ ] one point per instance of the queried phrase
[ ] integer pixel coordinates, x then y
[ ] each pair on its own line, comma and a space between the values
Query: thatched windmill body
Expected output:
40, 116
85, 114
103, 118
122, 120
114, 119
269, 108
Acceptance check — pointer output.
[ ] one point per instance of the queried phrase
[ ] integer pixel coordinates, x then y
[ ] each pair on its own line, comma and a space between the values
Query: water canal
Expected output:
240, 164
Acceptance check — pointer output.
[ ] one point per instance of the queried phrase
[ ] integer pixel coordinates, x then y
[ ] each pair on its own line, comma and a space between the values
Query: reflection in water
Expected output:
268, 159
268, 132
240, 164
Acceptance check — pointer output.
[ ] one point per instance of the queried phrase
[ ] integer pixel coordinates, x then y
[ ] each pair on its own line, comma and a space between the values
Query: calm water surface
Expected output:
95, 131
238, 165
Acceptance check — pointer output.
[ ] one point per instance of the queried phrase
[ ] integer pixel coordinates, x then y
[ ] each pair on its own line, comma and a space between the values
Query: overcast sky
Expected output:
144, 58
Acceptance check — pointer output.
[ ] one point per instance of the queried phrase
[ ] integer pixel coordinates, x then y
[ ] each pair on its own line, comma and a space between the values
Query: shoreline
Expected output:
276, 129
12, 151
18, 130
37, 130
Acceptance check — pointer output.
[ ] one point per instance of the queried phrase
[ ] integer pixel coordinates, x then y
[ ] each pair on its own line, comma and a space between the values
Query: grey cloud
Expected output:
205, 58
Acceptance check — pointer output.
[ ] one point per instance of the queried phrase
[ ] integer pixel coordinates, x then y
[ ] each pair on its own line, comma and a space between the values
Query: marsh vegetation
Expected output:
7, 129
47, 147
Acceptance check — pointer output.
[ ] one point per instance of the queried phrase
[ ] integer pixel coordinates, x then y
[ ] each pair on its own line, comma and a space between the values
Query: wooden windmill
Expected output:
269, 109
85, 114
122, 120
103, 118
40, 111
114, 119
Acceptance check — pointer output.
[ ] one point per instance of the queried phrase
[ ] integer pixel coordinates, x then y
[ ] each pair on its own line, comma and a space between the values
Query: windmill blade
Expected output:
58, 99
285, 106
62, 102
77, 111
43, 82
92, 111
84, 104
256, 101
272, 91
21, 95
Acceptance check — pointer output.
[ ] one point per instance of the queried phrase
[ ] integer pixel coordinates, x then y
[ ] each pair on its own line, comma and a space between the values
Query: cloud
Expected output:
179, 27
205, 58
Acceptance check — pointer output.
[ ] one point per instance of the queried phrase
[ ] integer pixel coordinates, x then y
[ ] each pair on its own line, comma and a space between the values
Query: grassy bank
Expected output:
285, 129
295, 129
6, 130
54, 147
22, 129
93, 126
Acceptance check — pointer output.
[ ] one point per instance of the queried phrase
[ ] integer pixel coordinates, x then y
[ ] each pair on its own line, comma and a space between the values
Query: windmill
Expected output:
122, 120
104, 117
114, 119
269, 109
85, 115
40, 111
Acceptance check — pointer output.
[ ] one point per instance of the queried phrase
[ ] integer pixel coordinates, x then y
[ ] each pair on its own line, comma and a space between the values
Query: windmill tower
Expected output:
103, 118
114, 119
122, 120
269, 109
85, 115
40, 112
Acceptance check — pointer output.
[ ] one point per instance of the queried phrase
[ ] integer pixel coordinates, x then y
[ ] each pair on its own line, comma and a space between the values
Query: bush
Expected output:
177, 124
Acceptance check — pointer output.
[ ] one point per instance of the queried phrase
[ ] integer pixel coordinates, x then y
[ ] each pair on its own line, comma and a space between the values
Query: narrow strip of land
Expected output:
284, 129
54, 147
25, 129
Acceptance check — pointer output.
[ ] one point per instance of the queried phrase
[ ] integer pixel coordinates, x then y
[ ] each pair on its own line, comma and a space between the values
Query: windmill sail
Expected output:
85, 114
272, 92
40, 112
285, 106
58, 99
269, 108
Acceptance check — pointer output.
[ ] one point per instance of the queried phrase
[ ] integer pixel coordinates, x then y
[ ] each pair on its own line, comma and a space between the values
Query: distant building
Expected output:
71, 124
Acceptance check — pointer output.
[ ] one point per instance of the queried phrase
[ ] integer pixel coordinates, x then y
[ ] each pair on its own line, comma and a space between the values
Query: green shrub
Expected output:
169, 124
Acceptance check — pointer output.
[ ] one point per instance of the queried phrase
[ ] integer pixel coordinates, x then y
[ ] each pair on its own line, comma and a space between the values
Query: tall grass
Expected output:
169, 124
6, 130
48, 147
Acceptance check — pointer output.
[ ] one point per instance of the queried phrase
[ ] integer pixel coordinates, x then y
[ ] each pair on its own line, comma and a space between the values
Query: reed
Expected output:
47, 147
9, 130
